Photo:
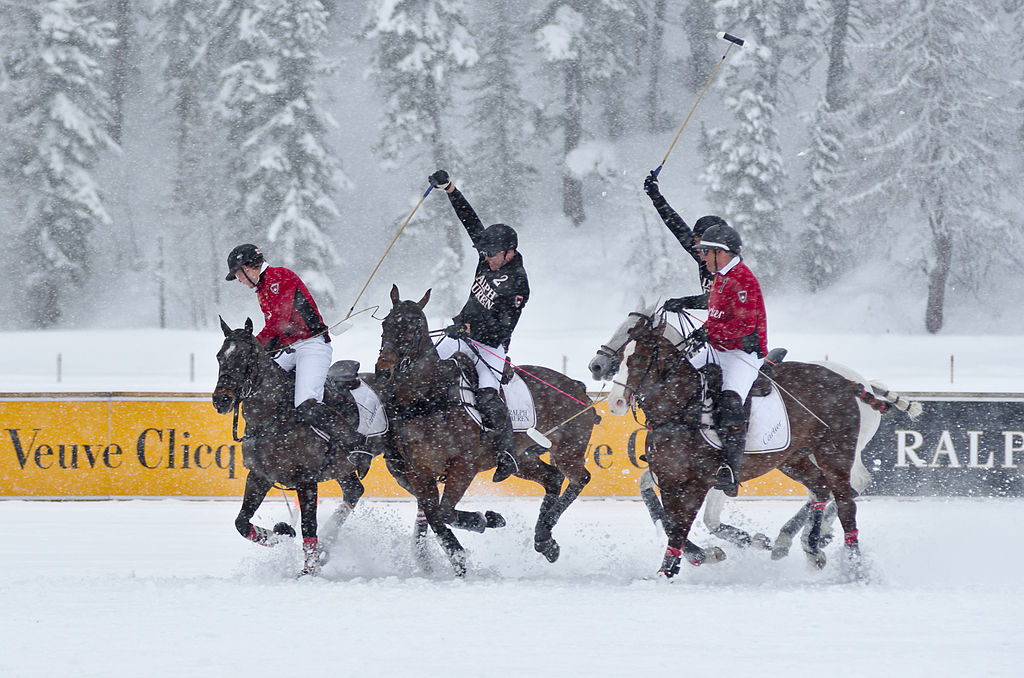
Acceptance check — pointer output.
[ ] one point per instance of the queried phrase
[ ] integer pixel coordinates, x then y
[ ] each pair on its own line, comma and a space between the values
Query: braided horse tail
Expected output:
881, 399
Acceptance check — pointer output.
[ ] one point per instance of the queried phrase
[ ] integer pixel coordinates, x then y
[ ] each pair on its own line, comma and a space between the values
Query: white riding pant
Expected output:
311, 358
490, 362
739, 368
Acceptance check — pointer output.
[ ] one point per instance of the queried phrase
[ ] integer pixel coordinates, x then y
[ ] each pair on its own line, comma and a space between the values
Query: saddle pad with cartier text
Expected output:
767, 429
373, 421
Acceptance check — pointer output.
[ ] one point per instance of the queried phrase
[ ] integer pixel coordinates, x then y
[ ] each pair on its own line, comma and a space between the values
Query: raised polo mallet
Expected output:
340, 326
732, 40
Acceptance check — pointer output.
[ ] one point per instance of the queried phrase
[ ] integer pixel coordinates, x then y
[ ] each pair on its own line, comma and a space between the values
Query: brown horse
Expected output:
438, 440
276, 448
605, 366
825, 418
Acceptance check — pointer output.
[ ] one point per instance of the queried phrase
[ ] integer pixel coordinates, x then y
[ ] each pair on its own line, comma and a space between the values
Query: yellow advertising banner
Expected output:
124, 444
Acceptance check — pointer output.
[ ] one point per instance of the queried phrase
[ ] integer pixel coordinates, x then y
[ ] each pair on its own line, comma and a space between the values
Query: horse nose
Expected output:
221, 402
618, 405
597, 367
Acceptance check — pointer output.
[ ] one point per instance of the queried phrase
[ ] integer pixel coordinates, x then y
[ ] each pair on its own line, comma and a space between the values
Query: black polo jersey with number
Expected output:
496, 298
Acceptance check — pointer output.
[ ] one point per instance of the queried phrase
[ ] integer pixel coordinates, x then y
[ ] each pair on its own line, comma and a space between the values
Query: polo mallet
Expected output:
732, 40
340, 325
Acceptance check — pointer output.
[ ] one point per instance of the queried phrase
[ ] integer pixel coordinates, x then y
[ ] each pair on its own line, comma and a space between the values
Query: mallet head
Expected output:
731, 38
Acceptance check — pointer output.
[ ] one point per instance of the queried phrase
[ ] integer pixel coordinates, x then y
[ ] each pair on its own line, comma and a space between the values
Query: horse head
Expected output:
606, 363
659, 376
238, 360
404, 336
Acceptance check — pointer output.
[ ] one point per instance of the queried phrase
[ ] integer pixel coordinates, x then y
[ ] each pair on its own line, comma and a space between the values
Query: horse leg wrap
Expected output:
264, 537
814, 533
850, 539
259, 535
670, 563
310, 556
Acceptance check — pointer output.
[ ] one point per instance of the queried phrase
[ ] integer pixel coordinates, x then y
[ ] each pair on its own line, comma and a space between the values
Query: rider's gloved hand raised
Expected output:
440, 179
651, 185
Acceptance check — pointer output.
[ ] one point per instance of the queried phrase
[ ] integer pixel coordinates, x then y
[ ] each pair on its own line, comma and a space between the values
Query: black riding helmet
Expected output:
721, 237
243, 255
497, 238
704, 223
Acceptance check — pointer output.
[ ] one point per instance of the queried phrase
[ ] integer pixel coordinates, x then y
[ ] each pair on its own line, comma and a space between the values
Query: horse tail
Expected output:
874, 400
881, 399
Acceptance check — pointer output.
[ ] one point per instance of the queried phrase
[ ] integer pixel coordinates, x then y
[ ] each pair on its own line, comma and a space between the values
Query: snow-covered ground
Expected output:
167, 588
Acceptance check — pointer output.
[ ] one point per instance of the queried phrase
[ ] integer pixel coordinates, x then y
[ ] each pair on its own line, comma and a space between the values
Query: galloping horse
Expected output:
825, 430
276, 448
605, 365
438, 439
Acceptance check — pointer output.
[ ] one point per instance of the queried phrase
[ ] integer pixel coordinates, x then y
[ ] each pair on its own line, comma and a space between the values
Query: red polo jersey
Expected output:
289, 311
736, 316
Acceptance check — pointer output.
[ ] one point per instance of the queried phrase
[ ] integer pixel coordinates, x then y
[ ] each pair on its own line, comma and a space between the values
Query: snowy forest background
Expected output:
854, 144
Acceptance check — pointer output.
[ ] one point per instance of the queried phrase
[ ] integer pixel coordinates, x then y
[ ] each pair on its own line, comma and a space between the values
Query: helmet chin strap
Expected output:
251, 281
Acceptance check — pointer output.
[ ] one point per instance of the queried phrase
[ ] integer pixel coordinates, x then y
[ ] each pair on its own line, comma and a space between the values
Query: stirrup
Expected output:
507, 466
726, 481
361, 459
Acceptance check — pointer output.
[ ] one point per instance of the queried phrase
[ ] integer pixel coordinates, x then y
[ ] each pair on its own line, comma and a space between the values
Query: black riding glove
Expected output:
651, 185
456, 332
440, 179
694, 341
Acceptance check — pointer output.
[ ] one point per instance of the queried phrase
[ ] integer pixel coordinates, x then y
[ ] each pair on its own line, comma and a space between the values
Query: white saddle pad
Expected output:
767, 429
518, 399
373, 421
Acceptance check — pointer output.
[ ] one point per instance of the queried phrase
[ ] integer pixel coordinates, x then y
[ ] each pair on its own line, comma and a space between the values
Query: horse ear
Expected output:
423, 302
395, 297
248, 325
224, 326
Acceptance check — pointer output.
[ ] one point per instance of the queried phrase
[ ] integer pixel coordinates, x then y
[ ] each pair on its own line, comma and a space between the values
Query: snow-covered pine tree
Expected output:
699, 26
934, 137
419, 47
56, 130
590, 48
744, 175
122, 64
821, 227
186, 35
655, 56
286, 175
501, 118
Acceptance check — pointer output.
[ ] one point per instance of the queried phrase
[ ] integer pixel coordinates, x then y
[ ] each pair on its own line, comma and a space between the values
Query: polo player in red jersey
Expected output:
292, 322
735, 336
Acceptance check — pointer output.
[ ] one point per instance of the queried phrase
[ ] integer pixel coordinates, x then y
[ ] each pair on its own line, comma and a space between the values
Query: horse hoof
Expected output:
713, 555
284, 529
549, 549
458, 561
761, 541
818, 559
309, 571
494, 519
781, 548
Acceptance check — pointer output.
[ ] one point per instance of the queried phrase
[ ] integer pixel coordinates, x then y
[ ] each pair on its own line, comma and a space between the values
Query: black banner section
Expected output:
961, 445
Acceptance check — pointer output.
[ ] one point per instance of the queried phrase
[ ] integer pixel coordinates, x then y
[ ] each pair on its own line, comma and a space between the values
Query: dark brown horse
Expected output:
825, 417
276, 448
605, 366
437, 440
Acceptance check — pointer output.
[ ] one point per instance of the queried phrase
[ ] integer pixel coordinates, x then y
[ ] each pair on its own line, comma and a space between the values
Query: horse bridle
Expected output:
399, 358
241, 387
613, 353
